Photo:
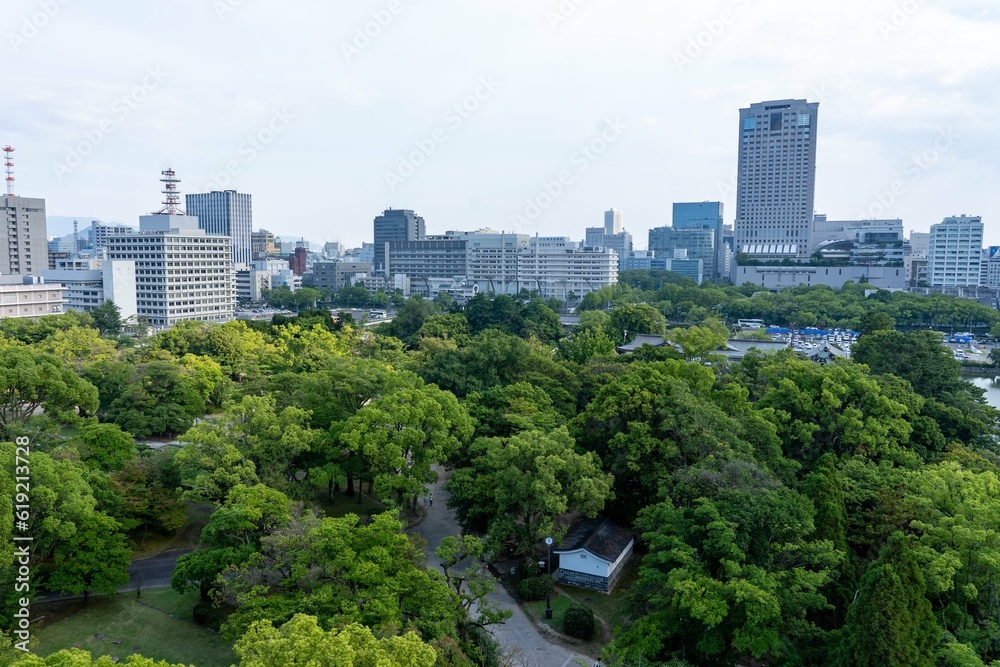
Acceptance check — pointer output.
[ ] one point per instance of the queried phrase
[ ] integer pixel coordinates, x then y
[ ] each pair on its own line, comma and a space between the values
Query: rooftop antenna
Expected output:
9, 166
76, 238
171, 195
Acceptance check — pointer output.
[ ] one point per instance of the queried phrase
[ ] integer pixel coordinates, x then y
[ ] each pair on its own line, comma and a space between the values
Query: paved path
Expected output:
154, 572
518, 631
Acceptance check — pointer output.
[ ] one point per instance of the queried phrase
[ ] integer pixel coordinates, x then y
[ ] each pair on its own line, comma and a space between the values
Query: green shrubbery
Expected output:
532, 589
579, 622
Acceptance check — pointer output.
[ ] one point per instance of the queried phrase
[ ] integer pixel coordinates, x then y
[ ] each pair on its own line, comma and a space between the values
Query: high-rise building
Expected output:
705, 215
613, 222
89, 283
990, 273
99, 232
699, 243
920, 243
395, 225
182, 272
227, 213
558, 267
955, 252
263, 243
23, 246
776, 178
298, 262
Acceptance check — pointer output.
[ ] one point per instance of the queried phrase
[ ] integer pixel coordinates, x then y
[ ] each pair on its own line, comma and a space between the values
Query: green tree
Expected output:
108, 318
31, 380
94, 559
159, 399
75, 657
874, 321
533, 479
301, 641
105, 446
637, 319
891, 623
403, 433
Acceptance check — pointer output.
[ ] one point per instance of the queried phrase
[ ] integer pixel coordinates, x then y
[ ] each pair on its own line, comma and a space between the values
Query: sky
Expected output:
532, 116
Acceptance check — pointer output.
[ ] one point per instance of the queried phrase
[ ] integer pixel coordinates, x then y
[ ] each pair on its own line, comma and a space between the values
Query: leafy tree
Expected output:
105, 446
874, 321
148, 486
75, 657
587, 344
79, 347
533, 479
403, 433
505, 410
473, 585
637, 319
95, 558
108, 318
301, 641
31, 380
891, 623
159, 399
918, 357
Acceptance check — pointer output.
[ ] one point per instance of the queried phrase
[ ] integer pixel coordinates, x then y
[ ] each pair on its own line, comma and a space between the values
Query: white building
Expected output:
558, 267
23, 236
492, 259
920, 243
182, 272
227, 213
250, 284
29, 297
88, 283
955, 252
594, 555
859, 231
776, 278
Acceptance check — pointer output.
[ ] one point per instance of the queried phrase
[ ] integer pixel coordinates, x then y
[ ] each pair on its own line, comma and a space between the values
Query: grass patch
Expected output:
340, 505
155, 634
187, 537
172, 602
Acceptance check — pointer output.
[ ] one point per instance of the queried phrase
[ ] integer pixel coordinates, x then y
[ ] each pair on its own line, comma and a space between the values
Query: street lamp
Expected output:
548, 584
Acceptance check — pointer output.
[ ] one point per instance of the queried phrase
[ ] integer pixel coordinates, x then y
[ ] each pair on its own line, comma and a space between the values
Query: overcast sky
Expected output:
99, 96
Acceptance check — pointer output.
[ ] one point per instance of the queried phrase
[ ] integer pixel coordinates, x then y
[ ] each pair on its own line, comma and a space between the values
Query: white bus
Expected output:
750, 324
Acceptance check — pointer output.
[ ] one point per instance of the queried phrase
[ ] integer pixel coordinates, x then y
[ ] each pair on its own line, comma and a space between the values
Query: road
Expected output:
519, 631
154, 572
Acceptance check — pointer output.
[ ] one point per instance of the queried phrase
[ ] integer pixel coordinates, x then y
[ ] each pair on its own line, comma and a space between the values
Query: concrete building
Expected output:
990, 272
182, 271
920, 244
100, 231
263, 243
395, 225
492, 259
613, 222
955, 252
227, 213
29, 297
335, 276
89, 283
620, 242
776, 179
298, 262
705, 215
23, 243
860, 231
558, 267
776, 278
699, 243
250, 284
424, 261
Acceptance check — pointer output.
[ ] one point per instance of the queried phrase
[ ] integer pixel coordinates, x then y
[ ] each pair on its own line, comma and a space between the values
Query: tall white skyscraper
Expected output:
228, 213
23, 229
956, 252
613, 222
777, 178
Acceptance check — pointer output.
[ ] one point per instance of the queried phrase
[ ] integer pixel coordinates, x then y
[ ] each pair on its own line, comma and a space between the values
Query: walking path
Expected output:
519, 631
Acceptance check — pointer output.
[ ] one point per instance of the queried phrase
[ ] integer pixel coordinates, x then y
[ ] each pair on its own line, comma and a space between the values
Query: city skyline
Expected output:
907, 130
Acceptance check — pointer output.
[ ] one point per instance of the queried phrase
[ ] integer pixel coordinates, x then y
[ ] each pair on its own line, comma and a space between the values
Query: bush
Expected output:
579, 622
532, 589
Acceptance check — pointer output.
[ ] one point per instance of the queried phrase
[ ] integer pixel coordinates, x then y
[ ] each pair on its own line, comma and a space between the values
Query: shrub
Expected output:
579, 622
202, 613
532, 589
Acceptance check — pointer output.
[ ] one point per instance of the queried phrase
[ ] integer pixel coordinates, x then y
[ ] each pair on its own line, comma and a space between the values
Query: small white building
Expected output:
29, 297
594, 555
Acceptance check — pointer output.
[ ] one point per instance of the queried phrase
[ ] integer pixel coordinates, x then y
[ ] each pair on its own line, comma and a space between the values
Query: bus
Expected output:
750, 324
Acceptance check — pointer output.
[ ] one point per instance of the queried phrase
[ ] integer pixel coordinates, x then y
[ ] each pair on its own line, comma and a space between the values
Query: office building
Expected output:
334, 276
705, 215
492, 259
860, 231
89, 283
250, 284
333, 249
613, 222
777, 278
955, 252
100, 231
263, 243
427, 262
392, 226
23, 237
29, 297
920, 244
776, 179
560, 268
227, 213
699, 242
299, 261
620, 242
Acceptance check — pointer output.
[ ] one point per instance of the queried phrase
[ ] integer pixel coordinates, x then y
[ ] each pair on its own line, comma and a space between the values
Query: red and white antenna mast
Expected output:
8, 162
171, 195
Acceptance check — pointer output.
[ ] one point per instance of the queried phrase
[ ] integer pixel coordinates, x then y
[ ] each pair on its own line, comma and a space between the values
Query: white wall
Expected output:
581, 561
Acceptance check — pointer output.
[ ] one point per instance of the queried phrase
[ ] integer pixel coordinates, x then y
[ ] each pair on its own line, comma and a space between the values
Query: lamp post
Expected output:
548, 584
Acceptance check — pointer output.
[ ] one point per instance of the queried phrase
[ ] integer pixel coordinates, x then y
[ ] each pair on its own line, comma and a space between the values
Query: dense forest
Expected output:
788, 512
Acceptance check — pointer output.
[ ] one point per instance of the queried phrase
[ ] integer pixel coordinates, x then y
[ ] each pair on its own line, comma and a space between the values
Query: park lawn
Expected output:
155, 634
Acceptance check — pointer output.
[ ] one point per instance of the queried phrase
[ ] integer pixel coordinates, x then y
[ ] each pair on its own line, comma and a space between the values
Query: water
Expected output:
992, 390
